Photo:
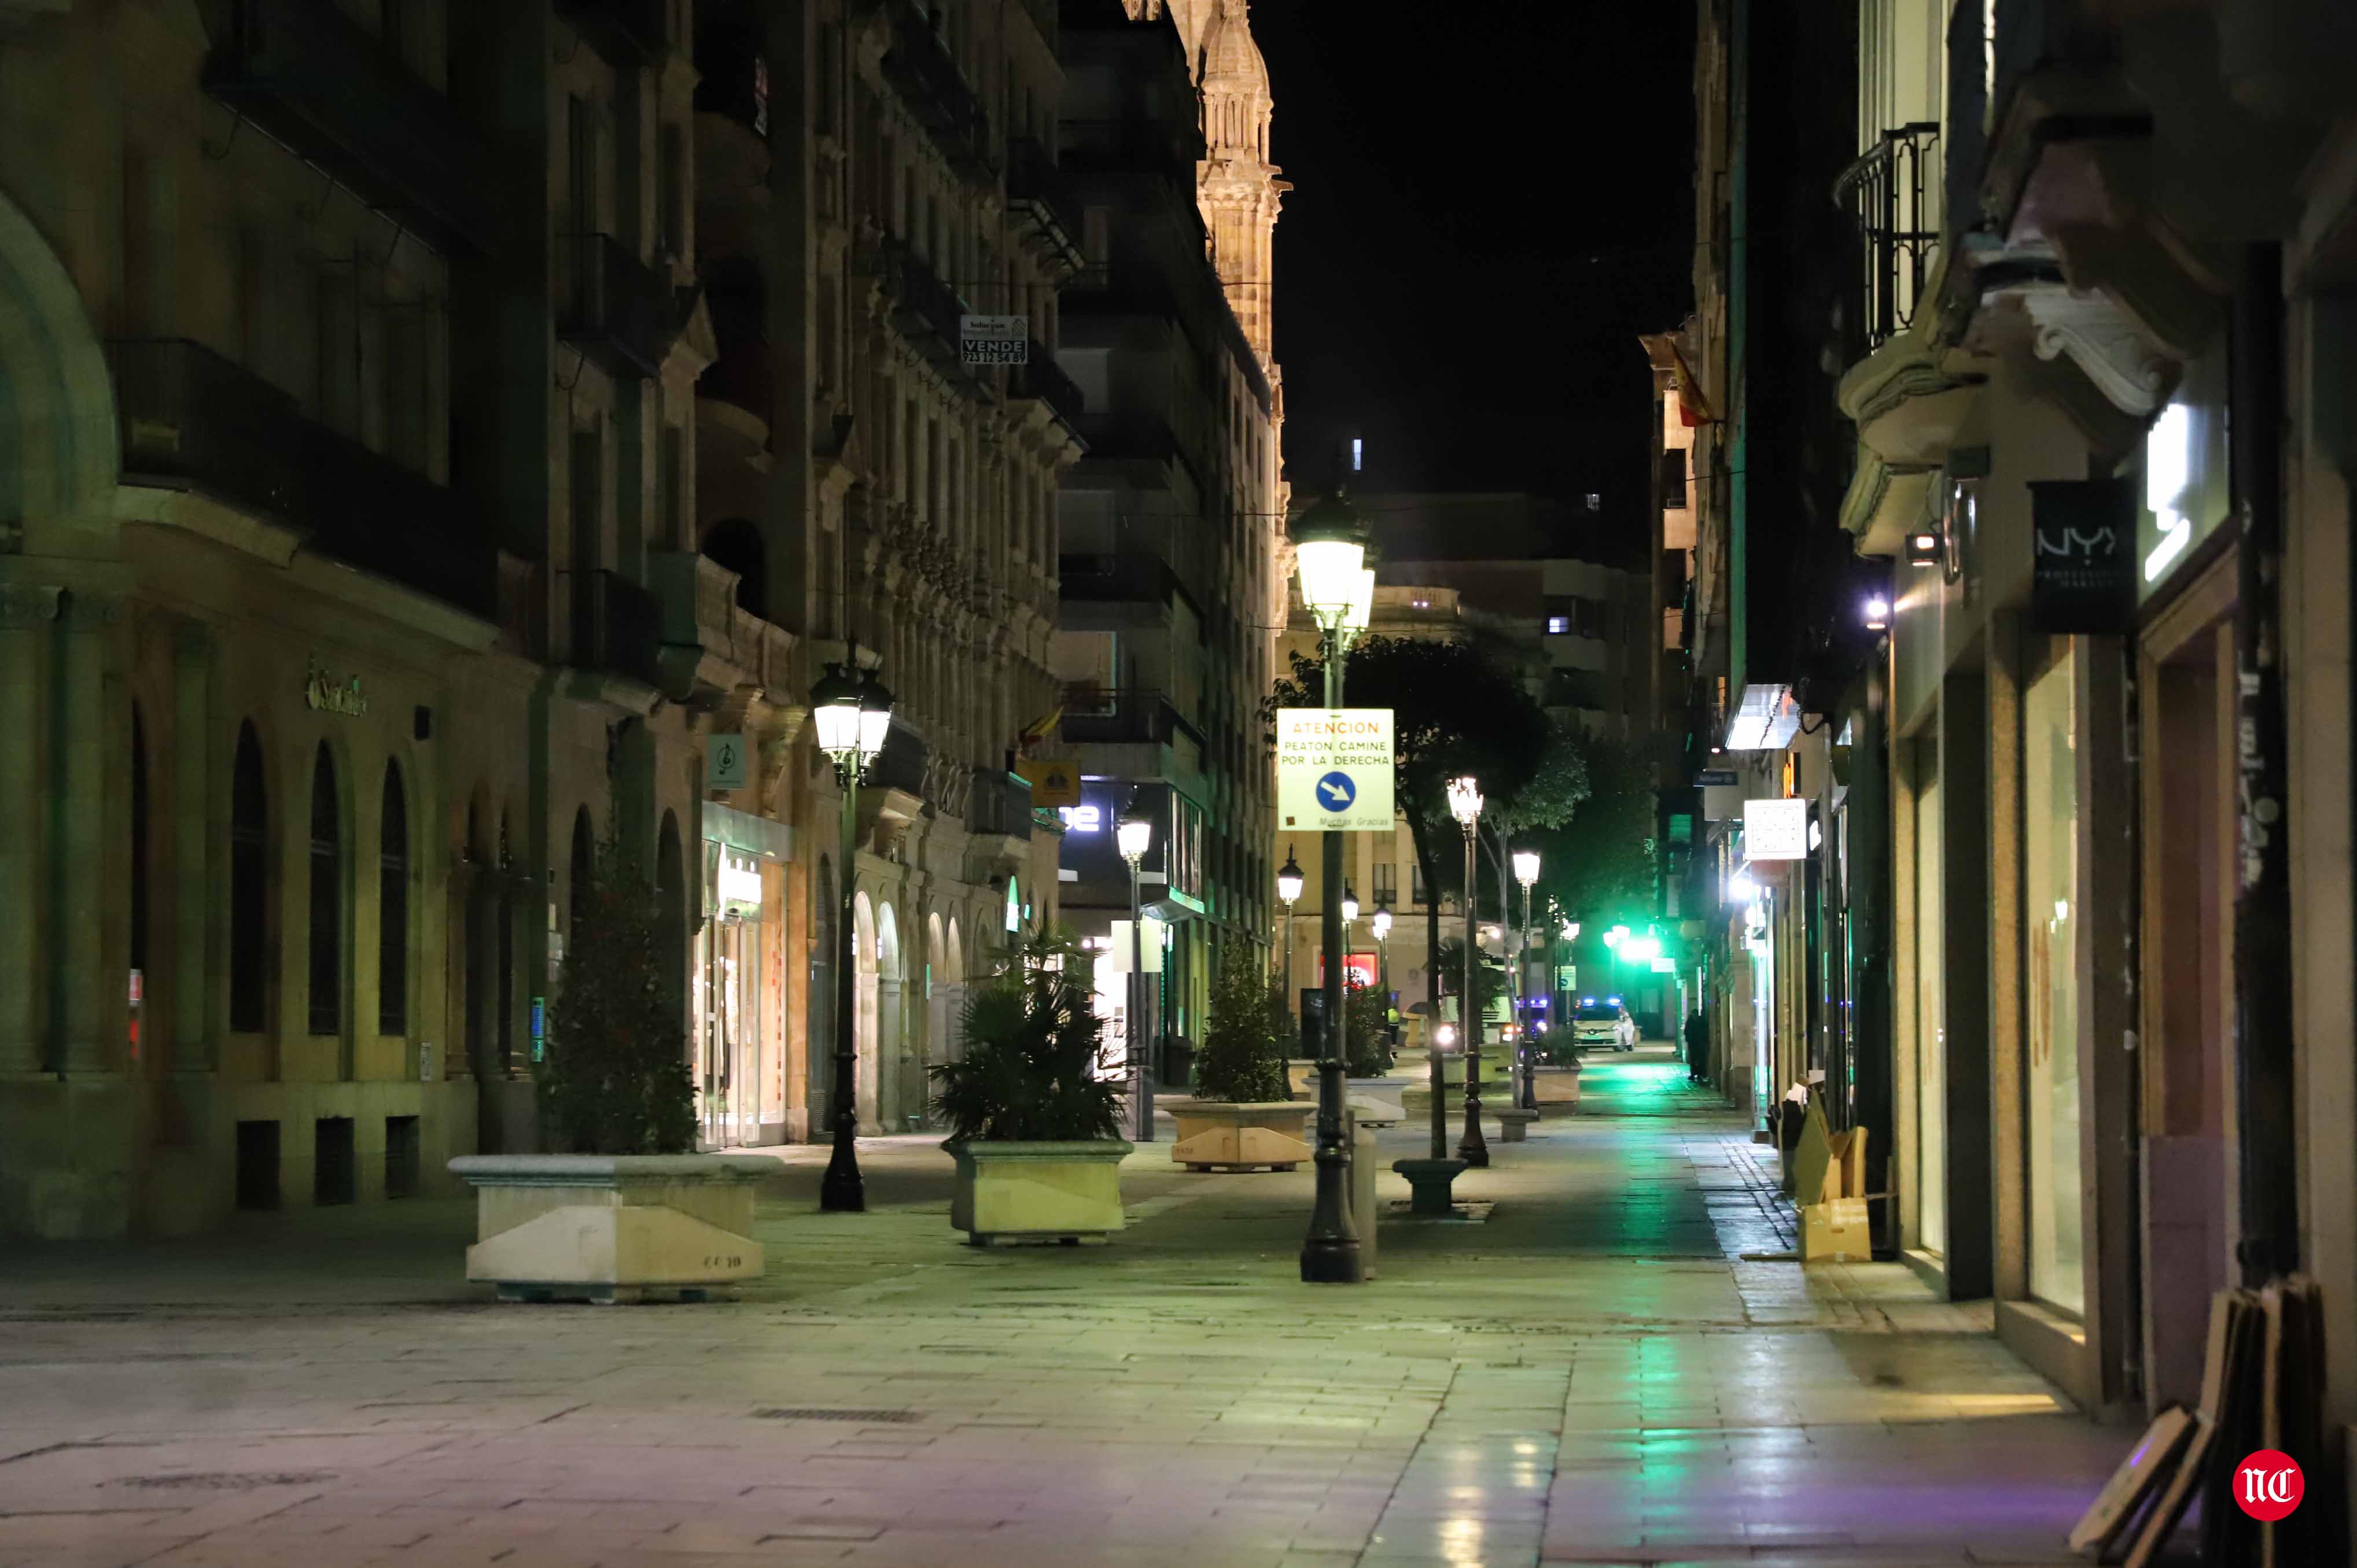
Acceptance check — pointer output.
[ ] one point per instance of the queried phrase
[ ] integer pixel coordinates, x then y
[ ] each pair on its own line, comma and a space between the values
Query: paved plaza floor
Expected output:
1597, 1374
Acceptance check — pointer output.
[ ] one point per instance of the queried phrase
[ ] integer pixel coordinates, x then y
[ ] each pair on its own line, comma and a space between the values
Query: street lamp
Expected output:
1329, 552
1133, 834
1465, 805
1379, 924
1526, 871
851, 713
1288, 888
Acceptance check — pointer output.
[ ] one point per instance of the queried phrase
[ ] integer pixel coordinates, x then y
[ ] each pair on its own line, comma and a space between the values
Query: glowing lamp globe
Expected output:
1526, 866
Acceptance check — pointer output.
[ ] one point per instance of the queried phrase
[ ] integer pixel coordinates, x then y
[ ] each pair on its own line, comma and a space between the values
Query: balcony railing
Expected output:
924, 309
308, 75
901, 764
614, 306
1040, 196
193, 420
1122, 716
617, 625
1130, 560
999, 803
921, 69
1136, 144
625, 34
1042, 378
1888, 191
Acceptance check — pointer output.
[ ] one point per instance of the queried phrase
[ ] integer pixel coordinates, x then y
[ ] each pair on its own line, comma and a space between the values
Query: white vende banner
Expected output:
995, 340
1334, 770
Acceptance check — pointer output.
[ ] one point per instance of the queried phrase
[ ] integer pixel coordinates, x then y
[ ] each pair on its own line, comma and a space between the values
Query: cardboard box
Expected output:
1835, 1230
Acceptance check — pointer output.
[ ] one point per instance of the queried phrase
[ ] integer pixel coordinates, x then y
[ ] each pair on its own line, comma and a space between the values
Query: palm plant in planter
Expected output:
1035, 1132
627, 1206
1243, 1114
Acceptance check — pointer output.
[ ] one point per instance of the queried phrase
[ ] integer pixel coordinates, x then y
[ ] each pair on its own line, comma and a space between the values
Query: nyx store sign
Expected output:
2082, 556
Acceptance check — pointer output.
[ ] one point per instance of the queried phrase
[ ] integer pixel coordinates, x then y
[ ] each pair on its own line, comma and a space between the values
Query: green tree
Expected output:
1367, 1053
1488, 973
616, 1078
1243, 1057
1031, 1036
1456, 709
1598, 867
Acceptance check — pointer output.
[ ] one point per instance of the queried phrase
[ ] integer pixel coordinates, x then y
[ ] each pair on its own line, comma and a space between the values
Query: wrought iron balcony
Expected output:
1040, 377
901, 764
1121, 715
1040, 197
1137, 144
924, 309
925, 74
308, 75
999, 803
627, 34
613, 305
193, 420
1888, 192
617, 625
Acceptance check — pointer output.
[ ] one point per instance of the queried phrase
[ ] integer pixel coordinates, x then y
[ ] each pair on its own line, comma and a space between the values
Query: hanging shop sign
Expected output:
724, 763
1334, 770
1775, 830
995, 340
2082, 556
322, 692
1052, 783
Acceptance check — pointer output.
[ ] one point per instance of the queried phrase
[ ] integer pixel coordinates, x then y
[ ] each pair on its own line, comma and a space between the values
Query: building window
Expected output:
327, 929
249, 886
1386, 882
1419, 896
1558, 625
392, 909
2050, 890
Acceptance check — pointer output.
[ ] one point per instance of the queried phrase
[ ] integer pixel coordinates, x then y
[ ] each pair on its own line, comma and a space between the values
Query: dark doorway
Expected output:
401, 1155
335, 1171
257, 1165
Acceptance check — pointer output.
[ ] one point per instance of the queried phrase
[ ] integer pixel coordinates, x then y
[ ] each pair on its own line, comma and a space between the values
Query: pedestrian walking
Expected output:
1697, 1034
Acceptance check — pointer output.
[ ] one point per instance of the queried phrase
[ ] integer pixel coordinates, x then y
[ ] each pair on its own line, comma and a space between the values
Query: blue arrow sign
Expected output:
1335, 791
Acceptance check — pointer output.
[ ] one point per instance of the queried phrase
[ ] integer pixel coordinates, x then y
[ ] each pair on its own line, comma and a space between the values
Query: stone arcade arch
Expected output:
863, 1009
890, 1065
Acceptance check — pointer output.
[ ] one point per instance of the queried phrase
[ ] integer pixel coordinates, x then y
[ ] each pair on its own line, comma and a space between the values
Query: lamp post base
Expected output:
843, 1190
1428, 1184
1333, 1261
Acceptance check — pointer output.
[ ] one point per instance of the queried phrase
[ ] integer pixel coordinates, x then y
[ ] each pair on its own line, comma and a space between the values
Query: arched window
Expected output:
326, 900
393, 908
249, 887
736, 544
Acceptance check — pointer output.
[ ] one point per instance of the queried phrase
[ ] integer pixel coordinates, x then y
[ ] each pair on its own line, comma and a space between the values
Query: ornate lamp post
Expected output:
1526, 871
1288, 888
1134, 835
851, 713
1465, 805
1379, 924
1329, 547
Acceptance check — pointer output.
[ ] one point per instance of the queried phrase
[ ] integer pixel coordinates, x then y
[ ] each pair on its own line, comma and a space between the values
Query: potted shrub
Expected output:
1036, 1134
625, 1205
1243, 1116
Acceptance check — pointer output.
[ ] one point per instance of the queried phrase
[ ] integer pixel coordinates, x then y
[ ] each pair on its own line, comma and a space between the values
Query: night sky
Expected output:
1490, 202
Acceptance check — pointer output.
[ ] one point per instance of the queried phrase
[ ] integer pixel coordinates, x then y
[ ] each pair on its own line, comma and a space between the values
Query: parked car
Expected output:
1602, 1021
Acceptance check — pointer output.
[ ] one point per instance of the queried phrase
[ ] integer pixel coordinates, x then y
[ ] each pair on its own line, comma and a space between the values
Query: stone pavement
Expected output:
1595, 1375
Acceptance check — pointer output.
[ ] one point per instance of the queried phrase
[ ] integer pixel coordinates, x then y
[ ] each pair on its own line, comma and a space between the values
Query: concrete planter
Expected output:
612, 1227
1037, 1191
1218, 1134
